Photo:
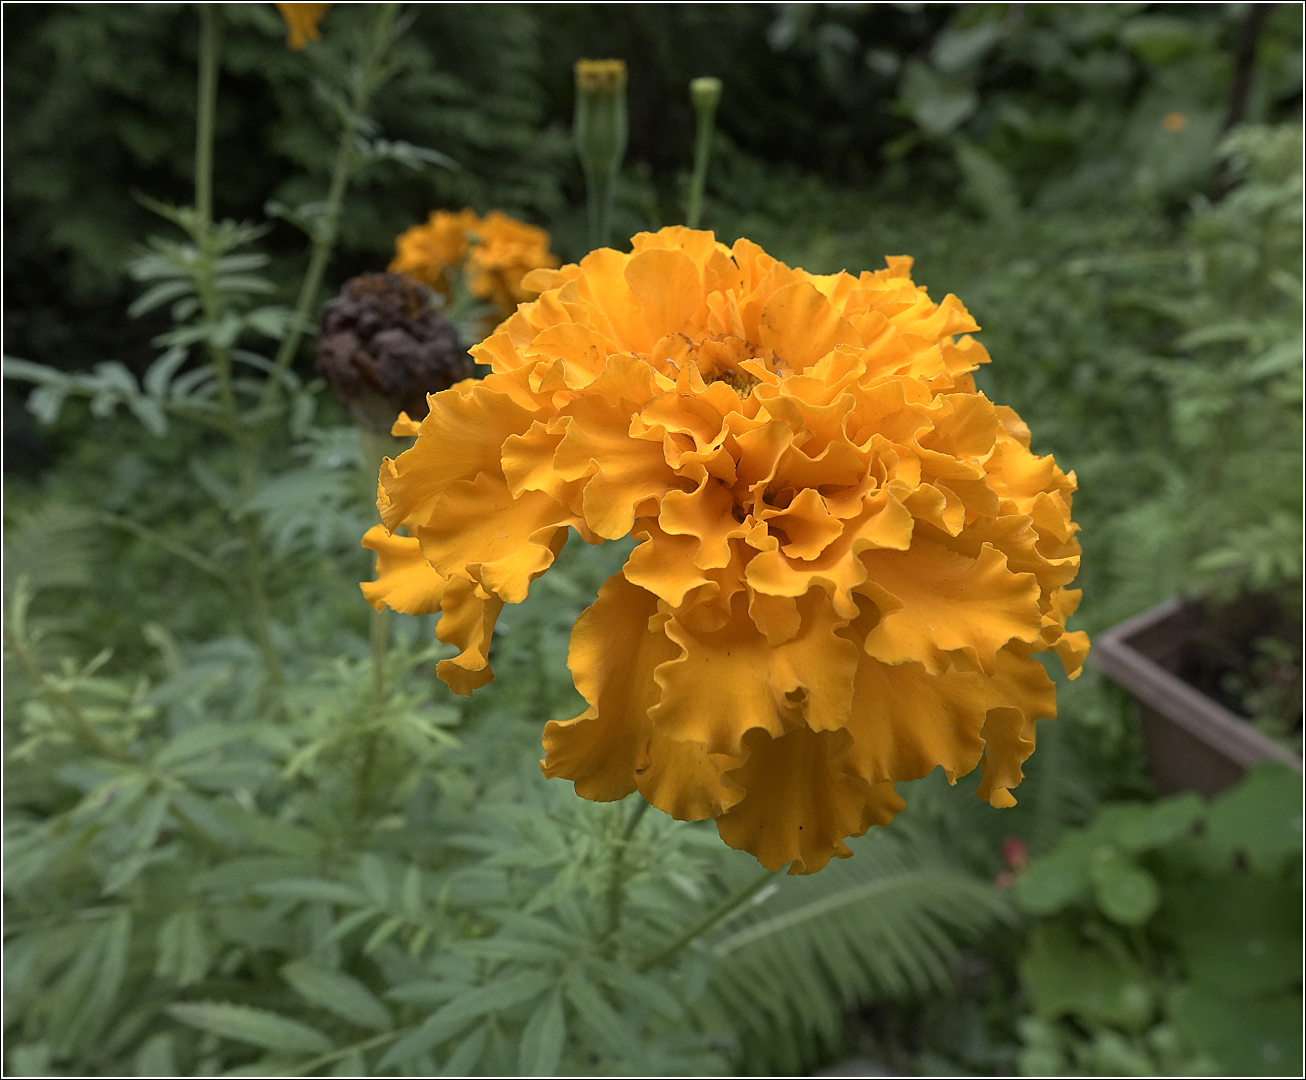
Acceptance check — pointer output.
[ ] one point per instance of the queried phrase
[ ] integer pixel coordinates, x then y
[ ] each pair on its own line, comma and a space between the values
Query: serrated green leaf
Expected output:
338, 993
602, 1019
313, 890
257, 1027
184, 951
457, 1015
543, 1038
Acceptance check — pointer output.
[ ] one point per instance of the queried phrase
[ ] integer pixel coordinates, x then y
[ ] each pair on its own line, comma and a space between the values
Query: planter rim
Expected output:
1184, 705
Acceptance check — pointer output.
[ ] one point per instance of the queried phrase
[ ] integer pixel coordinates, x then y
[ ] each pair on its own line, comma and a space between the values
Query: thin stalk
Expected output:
380, 646
366, 80
210, 50
307, 1068
84, 728
618, 878
197, 560
735, 900
702, 155
602, 198
259, 616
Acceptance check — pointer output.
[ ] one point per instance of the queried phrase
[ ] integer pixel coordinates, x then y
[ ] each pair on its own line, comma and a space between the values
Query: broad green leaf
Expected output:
258, 1027
1126, 893
1161, 823
1248, 1037
338, 993
1240, 934
1261, 817
543, 1038
1063, 978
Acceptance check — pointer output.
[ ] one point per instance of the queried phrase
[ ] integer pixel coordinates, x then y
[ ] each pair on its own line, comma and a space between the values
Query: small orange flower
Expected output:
848, 556
302, 23
495, 252
1175, 121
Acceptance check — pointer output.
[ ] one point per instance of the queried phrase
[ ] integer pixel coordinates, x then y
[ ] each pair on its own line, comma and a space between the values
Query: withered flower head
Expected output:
384, 347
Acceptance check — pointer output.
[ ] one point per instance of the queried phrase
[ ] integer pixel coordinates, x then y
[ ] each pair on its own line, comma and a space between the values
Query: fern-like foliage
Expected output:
886, 922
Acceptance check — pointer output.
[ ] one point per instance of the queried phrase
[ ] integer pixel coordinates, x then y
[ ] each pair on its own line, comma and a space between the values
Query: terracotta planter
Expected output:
1193, 742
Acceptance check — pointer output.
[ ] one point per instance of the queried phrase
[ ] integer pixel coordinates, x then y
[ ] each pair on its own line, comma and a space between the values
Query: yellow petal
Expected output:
734, 661
405, 581
460, 437
667, 287
684, 779
467, 622
801, 801
906, 722
480, 531
615, 646
802, 326
1008, 742
948, 602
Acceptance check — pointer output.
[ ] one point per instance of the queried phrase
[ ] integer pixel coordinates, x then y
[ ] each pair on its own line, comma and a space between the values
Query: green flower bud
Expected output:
705, 93
600, 132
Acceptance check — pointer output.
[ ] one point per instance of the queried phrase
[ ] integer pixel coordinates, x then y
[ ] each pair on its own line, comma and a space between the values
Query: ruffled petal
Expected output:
405, 581
802, 801
947, 602
479, 530
616, 645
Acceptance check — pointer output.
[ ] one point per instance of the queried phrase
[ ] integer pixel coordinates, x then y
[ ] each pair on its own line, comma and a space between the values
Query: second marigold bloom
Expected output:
495, 253
848, 556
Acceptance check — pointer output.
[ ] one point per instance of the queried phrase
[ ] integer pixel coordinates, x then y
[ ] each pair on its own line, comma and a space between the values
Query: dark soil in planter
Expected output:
1247, 655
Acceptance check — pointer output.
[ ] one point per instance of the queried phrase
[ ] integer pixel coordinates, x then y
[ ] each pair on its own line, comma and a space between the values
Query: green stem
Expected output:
602, 192
617, 879
84, 728
380, 646
210, 50
702, 155
307, 1068
197, 560
365, 81
259, 616
735, 900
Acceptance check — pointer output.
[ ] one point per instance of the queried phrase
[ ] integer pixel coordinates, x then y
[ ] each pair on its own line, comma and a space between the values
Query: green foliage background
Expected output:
315, 884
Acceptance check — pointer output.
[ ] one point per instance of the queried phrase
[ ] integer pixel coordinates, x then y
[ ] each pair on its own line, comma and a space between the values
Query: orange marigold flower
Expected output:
495, 252
848, 556
302, 23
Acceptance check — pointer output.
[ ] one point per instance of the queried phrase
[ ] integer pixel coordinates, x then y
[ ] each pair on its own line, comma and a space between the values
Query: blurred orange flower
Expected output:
1175, 121
302, 22
847, 556
495, 253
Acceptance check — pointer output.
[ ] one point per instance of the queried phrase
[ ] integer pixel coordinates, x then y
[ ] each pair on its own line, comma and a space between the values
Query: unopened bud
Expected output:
705, 92
600, 122
384, 346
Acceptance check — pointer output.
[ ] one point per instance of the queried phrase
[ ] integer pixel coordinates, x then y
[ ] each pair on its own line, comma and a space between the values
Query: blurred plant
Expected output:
487, 257
705, 93
1174, 945
302, 22
599, 130
1228, 512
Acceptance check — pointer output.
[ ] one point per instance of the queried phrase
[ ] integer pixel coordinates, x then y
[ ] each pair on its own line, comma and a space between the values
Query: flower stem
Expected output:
705, 94
735, 900
618, 877
210, 50
367, 77
380, 646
